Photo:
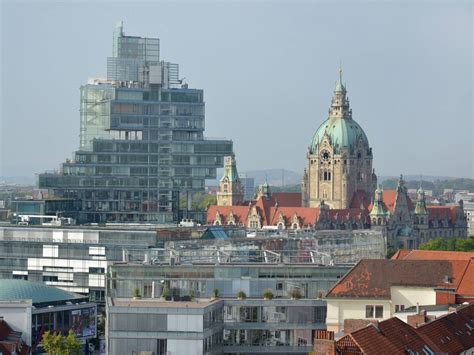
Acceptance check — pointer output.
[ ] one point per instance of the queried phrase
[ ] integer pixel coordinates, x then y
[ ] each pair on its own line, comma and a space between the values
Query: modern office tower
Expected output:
249, 185
141, 141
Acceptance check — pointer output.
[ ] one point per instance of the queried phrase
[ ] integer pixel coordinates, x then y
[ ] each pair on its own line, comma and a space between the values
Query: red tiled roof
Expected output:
374, 278
441, 212
369, 340
415, 254
286, 204
466, 285
360, 198
452, 333
240, 213
449, 334
287, 199
389, 198
306, 215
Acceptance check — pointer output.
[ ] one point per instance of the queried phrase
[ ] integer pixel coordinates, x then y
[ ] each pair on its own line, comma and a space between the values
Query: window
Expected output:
372, 311
369, 311
399, 307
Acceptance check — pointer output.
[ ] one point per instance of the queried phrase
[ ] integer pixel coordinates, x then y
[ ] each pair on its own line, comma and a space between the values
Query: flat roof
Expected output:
158, 302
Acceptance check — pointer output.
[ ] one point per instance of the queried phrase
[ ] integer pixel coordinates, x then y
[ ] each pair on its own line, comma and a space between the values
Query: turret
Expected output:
231, 191
378, 214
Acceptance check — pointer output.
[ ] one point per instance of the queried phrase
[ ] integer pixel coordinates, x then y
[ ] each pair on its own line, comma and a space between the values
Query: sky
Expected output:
267, 70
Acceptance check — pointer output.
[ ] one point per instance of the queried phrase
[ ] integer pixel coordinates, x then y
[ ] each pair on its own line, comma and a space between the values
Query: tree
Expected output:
58, 344
451, 244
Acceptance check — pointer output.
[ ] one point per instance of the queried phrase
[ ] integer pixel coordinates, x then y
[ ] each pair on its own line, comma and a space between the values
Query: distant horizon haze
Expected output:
267, 70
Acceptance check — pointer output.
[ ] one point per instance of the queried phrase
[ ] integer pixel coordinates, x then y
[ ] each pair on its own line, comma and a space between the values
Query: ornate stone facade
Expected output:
339, 158
231, 191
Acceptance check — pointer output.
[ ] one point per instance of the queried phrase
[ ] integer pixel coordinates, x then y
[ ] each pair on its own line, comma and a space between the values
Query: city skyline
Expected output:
406, 84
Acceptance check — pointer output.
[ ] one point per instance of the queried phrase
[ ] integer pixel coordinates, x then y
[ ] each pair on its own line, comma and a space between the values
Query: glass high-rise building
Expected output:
141, 140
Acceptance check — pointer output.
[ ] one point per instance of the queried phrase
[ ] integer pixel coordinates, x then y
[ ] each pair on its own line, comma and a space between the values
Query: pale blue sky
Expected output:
267, 70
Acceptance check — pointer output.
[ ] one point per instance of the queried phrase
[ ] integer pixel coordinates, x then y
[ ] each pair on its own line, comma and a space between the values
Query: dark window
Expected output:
369, 311
378, 311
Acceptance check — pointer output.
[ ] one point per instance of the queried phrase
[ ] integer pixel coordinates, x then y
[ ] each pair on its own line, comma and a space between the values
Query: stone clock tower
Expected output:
339, 159
231, 191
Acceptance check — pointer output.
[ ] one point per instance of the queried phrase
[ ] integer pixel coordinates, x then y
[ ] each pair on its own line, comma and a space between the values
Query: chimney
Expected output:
324, 343
444, 296
416, 319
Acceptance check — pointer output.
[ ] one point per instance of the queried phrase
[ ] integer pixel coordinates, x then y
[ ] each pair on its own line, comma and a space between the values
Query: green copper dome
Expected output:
342, 132
36, 291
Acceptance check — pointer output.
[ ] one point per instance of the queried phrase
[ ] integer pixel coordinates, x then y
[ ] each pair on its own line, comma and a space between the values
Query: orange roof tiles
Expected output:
414, 254
374, 278
441, 212
452, 333
449, 334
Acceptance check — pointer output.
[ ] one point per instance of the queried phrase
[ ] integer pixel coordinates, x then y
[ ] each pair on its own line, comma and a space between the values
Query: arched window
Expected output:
225, 188
379, 221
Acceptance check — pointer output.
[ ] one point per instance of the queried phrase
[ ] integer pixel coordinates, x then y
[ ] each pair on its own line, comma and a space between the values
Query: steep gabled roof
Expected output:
441, 212
452, 333
374, 278
449, 334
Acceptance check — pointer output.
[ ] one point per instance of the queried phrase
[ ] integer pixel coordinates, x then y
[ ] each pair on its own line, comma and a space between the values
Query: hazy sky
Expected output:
267, 69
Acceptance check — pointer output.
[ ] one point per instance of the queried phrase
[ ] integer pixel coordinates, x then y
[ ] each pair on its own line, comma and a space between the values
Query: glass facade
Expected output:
141, 141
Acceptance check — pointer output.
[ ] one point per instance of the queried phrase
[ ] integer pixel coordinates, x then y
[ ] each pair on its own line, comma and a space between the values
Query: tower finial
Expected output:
340, 72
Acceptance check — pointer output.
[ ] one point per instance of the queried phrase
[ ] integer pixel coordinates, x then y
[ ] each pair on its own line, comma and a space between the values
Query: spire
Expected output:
340, 103
339, 85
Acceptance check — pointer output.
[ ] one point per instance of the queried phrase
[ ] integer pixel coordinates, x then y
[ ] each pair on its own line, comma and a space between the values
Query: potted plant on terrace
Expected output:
241, 295
215, 294
295, 293
166, 294
136, 294
268, 294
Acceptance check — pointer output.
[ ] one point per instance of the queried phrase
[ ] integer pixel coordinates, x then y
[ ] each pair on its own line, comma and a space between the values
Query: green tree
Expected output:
450, 244
57, 344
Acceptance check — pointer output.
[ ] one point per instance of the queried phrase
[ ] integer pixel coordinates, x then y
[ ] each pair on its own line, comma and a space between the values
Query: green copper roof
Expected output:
343, 132
36, 291
230, 172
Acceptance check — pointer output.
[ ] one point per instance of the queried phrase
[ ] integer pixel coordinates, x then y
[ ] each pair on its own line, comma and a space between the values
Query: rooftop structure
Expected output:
33, 308
449, 334
142, 143
377, 289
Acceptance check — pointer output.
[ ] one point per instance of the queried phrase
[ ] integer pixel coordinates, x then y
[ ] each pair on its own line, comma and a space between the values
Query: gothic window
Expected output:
329, 176
325, 176
225, 188
379, 221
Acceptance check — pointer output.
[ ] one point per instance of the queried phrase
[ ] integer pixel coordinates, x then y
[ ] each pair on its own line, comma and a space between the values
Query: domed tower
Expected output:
339, 159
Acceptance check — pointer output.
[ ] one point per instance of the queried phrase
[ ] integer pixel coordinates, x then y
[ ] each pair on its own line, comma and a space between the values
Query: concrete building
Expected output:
142, 141
33, 308
159, 327
469, 212
212, 326
71, 258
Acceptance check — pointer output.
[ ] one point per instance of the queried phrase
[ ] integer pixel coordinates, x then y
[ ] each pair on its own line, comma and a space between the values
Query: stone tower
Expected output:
231, 191
339, 159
